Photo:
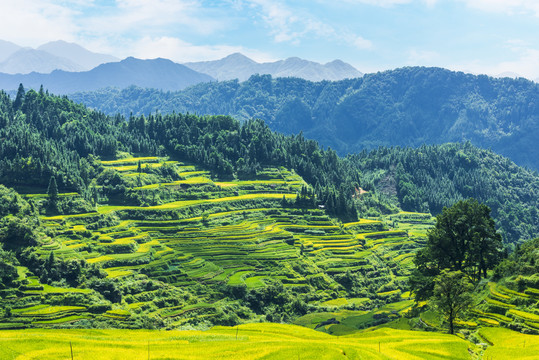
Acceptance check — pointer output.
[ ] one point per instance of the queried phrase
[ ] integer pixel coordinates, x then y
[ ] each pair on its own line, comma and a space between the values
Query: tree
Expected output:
19, 99
464, 239
52, 190
8, 272
451, 295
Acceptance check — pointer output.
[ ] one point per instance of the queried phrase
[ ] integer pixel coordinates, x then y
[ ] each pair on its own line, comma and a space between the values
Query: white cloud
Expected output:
34, 22
292, 24
423, 57
134, 17
390, 3
181, 51
509, 7
524, 63
362, 43
382, 3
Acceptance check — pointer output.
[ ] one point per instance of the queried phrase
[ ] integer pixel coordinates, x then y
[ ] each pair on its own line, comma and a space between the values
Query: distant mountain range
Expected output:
238, 66
29, 66
156, 74
57, 55
406, 107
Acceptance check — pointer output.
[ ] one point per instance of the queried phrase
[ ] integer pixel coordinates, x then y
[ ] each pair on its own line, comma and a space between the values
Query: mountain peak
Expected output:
7, 48
238, 56
239, 66
25, 61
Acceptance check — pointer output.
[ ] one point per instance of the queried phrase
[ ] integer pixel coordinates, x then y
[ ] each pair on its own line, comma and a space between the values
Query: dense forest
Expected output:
405, 107
46, 136
432, 177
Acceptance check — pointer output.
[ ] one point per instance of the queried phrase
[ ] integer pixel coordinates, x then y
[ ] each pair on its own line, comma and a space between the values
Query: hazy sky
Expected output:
480, 36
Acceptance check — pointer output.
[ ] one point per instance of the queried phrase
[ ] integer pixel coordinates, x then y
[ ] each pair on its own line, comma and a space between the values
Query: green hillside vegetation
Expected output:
59, 138
186, 222
410, 106
202, 252
430, 178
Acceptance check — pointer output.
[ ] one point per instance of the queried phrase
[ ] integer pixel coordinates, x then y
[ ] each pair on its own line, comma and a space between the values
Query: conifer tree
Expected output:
52, 191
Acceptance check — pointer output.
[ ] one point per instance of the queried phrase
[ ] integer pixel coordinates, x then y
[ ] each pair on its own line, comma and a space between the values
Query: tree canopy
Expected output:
451, 295
463, 239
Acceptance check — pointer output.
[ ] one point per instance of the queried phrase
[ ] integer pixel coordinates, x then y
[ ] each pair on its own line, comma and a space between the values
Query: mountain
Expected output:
158, 73
405, 107
25, 61
86, 59
7, 49
238, 66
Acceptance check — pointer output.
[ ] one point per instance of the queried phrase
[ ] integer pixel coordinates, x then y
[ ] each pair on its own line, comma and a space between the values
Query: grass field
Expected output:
251, 341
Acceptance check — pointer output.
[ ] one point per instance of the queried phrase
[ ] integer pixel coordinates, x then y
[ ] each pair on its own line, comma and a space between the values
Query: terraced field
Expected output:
203, 234
509, 308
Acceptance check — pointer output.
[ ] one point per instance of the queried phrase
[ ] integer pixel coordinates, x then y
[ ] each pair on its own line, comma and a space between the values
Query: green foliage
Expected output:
404, 107
8, 271
451, 295
523, 261
430, 178
463, 239
52, 190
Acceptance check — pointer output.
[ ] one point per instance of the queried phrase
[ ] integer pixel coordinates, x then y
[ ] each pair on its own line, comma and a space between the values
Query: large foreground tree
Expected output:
464, 239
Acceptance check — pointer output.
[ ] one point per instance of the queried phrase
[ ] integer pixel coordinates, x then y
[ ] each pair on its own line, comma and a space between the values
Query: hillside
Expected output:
273, 341
7, 48
238, 66
405, 107
181, 222
86, 59
431, 177
158, 73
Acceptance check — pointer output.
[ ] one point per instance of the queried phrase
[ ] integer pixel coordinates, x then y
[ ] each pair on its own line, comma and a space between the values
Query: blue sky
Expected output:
479, 36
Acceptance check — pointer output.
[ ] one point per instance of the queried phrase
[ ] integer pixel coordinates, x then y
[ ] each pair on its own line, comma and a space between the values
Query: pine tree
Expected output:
52, 191
19, 99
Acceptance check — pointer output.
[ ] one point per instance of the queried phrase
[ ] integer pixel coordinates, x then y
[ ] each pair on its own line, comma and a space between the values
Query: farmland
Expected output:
196, 235
180, 249
252, 341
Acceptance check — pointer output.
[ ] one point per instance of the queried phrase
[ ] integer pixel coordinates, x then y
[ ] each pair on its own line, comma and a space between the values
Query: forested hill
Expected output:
431, 177
44, 136
406, 107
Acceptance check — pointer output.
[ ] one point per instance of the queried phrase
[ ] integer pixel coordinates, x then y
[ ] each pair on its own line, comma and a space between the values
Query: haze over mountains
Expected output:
64, 68
56, 55
157, 74
406, 107
238, 66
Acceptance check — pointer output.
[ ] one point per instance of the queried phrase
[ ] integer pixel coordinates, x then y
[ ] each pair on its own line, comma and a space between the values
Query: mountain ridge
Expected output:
403, 107
26, 61
239, 66
86, 59
156, 73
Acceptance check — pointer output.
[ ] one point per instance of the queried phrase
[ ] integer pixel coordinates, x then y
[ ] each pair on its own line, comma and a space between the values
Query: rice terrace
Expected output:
246, 238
